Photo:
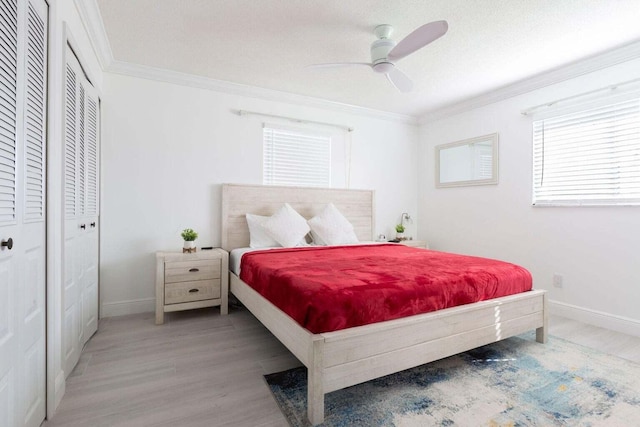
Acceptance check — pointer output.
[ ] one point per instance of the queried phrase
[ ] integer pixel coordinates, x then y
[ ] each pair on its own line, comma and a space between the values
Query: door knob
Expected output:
8, 243
83, 226
93, 224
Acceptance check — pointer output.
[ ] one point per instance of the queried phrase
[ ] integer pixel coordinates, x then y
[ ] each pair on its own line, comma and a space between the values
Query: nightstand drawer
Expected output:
175, 293
184, 271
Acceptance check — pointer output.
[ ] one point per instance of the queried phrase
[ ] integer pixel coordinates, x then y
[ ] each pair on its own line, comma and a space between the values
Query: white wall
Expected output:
166, 149
595, 249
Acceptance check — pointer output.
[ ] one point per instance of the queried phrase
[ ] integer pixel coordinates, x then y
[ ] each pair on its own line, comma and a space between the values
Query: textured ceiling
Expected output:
268, 43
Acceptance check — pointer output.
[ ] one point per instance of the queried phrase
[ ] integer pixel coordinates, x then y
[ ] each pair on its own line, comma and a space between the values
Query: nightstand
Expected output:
185, 281
415, 243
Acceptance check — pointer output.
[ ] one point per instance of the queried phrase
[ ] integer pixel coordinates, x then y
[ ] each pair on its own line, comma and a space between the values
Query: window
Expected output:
296, 157
590, 157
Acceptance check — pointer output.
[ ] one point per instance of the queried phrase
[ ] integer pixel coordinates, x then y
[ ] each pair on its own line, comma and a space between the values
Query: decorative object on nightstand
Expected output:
405, 218
189, 237
401, 228
185, 281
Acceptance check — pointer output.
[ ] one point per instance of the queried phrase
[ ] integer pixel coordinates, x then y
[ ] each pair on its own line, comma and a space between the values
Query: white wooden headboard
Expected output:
238, 199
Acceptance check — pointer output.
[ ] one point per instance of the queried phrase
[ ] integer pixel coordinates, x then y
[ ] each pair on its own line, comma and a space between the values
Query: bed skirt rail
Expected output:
340, 359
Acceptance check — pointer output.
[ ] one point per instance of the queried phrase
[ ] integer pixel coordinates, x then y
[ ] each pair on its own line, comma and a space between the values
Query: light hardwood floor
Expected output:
203, 369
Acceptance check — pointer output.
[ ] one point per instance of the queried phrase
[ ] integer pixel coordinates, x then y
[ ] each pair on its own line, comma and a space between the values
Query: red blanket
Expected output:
336, 287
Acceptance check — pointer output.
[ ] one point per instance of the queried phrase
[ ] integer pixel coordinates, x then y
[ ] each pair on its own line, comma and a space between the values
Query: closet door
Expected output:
81, 212
89, 234
23, 76
9, 228
72, 314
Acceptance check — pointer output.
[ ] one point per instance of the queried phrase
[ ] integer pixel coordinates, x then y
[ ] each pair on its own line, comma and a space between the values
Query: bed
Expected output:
346, 357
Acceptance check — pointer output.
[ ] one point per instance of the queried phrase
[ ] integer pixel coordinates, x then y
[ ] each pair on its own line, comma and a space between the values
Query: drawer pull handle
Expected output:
193, 270
193, 291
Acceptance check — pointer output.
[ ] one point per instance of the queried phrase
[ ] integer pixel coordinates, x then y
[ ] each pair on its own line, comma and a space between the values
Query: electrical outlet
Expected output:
557, 280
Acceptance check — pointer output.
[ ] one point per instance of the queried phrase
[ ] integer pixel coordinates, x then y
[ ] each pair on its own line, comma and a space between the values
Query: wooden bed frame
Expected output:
340, 359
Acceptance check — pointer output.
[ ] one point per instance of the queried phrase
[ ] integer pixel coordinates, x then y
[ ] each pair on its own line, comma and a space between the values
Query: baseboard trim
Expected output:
586, 315
122, 308
60, 387
596, 318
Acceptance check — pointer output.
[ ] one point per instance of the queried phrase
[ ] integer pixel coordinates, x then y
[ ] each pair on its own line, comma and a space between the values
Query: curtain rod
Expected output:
273, 116
602, 89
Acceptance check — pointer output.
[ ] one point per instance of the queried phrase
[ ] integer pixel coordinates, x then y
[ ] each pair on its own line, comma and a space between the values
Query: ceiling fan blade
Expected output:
419, 38
400, 80
336, 65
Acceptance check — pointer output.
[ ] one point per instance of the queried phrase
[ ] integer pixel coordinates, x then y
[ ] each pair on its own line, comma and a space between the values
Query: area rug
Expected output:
515, 382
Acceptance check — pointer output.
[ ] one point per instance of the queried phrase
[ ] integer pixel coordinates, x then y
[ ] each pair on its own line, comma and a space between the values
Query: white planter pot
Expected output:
399, 235
189, 245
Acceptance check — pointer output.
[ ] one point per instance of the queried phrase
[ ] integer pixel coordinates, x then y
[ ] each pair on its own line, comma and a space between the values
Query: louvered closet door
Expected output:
72, 297
72, 289
23, 94
80, 295
89, 234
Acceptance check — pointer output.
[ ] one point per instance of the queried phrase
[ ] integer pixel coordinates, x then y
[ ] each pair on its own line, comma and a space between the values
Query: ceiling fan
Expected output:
385, 52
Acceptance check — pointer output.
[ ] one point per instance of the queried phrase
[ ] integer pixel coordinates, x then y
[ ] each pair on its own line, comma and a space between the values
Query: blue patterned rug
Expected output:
515, 382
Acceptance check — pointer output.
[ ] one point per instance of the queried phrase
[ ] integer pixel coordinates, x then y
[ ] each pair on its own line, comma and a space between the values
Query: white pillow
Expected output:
258, 236
286, 226
330, 227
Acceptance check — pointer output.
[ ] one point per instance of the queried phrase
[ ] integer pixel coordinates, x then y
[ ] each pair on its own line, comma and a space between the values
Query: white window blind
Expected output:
296, 157
589, 157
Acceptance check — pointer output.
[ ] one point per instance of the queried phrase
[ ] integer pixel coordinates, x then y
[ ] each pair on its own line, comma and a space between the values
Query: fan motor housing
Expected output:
379, 51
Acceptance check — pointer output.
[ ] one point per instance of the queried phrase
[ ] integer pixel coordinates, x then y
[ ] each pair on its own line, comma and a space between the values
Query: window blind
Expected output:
590, 157
296, 157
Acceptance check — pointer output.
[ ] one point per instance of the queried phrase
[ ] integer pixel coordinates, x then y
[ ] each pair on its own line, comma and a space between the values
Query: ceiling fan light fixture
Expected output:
383, 67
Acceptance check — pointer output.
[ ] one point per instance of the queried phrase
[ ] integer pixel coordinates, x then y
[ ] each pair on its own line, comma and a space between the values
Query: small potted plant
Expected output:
399, 231
189, 236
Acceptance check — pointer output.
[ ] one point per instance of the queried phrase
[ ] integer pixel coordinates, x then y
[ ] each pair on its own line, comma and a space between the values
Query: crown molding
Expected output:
92, 20
578, 68
185, 79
